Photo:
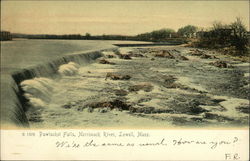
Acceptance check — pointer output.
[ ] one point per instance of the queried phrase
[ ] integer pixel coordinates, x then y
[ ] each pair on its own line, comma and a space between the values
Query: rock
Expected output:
134, 54
175, 85
195, 109
220, 64
176, 50
120, 92
147, 87
148, 109
164, 54
243, 109
197, 119
103, 61
218, 100
144, 100
125, 77
196, 52
205, 56
120, 104
114, 104
145, 110
110, 56
104, 110
183, 57
67, 106
213, 116
169, 78
90, 109
114, 76
70, 104
125, 56
187, 106
80, 108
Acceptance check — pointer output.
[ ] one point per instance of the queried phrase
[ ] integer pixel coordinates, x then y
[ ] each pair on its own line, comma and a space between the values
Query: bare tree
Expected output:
219, 25
238, 27
239, 40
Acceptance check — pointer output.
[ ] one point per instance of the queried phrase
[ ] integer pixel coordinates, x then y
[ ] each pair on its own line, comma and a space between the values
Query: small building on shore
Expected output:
5, 36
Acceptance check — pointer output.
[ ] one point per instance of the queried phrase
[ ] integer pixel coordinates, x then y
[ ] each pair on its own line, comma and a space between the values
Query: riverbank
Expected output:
226, 51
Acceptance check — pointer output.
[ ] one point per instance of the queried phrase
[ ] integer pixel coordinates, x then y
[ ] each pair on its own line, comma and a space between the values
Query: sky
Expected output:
116, 17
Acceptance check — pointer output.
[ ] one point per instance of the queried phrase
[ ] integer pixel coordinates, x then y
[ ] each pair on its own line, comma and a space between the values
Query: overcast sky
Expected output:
115, 17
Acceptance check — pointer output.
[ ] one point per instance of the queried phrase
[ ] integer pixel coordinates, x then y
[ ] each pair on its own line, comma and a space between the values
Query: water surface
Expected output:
23, 53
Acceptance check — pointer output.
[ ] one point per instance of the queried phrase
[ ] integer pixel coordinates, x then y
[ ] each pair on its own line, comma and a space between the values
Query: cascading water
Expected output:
38, 91
69, 69
33, 85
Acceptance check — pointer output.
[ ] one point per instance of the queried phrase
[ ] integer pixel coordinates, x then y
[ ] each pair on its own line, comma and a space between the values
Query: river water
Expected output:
176, 92
23, 53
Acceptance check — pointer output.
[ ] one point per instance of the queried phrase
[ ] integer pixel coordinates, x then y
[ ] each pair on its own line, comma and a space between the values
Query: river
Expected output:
23, 53
158, 87
36, 58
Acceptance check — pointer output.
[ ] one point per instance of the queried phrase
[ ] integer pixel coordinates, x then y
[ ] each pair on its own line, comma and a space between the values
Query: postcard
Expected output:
125, 80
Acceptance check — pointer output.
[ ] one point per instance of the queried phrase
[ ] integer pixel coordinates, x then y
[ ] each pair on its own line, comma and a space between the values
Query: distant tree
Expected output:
162, 34
187, 30
157, 35
232, 36
104, 36
219, 25
87, 35
239, 40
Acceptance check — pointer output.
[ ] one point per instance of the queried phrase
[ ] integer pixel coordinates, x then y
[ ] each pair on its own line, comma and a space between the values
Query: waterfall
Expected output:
33, 86
38, 91
69, 69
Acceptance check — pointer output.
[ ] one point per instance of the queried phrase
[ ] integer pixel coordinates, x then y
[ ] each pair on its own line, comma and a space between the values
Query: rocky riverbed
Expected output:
151, 87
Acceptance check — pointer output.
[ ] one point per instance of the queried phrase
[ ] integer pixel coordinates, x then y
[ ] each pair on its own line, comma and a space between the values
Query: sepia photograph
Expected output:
131, 64
125, 65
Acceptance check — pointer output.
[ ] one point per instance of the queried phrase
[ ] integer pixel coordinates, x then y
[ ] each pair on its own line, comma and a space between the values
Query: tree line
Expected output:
156, 35
218, 36
233, 36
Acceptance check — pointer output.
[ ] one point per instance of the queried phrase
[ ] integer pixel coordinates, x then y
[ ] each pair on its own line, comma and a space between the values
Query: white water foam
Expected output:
36, 102
69, 69
38, 91
124, 50
108, 53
